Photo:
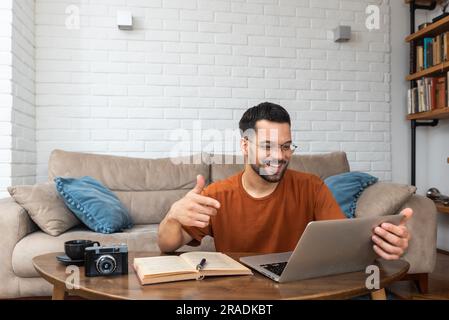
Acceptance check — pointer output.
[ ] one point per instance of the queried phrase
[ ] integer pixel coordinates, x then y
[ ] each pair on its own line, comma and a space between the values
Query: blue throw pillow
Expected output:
347, 188
94, 204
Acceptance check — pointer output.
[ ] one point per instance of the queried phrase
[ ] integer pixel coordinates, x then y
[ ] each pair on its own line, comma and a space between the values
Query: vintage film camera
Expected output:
106, 260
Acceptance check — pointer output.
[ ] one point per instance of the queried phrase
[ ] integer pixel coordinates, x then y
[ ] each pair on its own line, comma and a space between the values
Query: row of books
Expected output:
429, 94
432, 51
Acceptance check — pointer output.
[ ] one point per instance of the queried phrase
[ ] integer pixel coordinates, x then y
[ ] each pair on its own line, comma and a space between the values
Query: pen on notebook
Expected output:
201, 265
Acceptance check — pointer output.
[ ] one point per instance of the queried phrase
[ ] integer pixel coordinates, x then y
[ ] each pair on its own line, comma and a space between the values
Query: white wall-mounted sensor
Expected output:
124, 20
342, 33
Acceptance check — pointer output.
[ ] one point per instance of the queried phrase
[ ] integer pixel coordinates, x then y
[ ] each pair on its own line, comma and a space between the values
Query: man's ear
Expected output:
244, 146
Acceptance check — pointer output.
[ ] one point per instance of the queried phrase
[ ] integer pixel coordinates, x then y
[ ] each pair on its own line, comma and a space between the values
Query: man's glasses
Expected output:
287, 148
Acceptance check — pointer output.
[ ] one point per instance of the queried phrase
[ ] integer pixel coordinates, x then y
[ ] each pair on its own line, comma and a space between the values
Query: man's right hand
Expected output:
194, 209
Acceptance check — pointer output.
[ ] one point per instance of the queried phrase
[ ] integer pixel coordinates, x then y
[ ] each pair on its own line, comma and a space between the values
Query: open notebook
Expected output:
183, 267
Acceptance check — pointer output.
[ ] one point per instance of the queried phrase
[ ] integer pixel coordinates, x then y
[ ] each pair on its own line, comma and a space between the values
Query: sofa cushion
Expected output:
94, 204
137, 182
322, 165
149, 206
45, 207
130, 174
383, 198
347, 188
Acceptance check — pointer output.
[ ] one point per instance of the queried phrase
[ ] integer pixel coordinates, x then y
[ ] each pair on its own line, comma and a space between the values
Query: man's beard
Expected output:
261, 170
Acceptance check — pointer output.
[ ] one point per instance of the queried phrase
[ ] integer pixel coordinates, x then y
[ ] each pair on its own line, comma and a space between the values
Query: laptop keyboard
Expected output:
276, 268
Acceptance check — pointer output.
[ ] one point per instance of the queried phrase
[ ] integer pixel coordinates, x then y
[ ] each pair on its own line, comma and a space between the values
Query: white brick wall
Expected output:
5, 95
99, 89
23, 93
17, 99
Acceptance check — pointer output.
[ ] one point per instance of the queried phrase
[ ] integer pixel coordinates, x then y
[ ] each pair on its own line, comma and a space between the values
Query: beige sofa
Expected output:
148, 187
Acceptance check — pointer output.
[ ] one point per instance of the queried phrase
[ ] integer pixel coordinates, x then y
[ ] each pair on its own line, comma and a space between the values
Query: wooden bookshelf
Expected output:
429, 72
430, 115
442, 69
430, 31
437, 70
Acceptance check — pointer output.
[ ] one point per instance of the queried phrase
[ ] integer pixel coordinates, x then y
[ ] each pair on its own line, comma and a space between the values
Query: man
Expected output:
266, 207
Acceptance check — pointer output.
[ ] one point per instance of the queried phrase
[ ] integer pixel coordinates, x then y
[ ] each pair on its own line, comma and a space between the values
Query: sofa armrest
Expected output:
15, 224
421, 253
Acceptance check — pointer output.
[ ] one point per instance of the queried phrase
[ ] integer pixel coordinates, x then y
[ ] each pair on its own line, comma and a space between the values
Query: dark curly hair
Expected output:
263, 111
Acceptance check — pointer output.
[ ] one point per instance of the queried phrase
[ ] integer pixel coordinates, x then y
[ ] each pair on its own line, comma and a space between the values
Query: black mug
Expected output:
74, 249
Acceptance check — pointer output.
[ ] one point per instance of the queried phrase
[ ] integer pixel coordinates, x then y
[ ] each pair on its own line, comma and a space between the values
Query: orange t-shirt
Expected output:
270, 224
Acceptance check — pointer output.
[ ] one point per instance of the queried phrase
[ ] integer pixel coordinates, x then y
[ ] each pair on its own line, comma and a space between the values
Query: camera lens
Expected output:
106, 264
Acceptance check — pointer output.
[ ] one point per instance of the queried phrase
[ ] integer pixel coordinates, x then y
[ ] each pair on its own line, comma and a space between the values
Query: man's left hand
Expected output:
391, 241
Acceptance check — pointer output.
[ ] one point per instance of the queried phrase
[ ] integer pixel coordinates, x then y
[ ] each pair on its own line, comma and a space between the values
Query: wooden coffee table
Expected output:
214, 288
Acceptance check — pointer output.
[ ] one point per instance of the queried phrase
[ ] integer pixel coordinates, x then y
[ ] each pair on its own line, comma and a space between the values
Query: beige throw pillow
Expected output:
383, 198
45, 207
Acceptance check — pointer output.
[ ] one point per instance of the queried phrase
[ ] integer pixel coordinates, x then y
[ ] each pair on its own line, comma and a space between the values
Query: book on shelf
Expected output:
412, 100
419, 58
428, 52
436, 55
429, 94
445, 45
422, 96
159, 269
432, 51
439, 48
440, 93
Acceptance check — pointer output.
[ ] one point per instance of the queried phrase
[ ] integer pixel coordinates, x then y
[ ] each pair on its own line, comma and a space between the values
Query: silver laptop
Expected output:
325, 248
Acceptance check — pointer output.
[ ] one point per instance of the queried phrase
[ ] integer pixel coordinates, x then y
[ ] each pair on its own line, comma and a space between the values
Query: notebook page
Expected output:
214, 260
162, 265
